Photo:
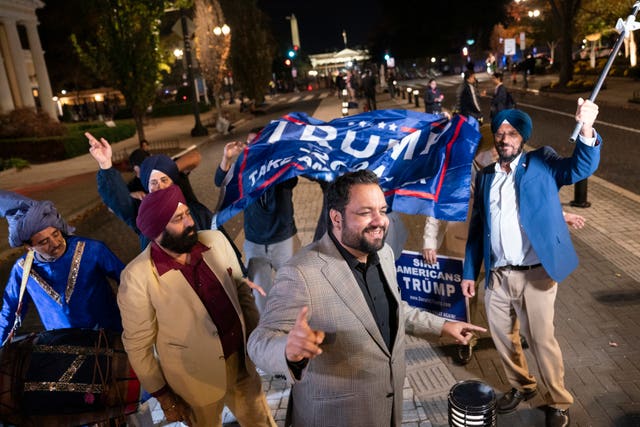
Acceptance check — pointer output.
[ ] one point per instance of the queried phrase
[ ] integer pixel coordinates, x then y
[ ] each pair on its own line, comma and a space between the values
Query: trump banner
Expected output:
432, 287
423, 160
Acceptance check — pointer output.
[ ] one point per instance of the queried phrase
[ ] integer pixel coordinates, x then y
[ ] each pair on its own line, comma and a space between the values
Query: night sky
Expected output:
320, 24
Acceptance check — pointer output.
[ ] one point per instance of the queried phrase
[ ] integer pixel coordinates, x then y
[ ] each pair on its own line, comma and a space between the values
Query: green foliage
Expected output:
177, 109
597, 16
125, 50
26, 122
75, 143
14, 162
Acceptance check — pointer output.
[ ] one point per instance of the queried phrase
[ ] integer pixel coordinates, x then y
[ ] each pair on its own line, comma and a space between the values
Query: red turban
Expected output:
156, 210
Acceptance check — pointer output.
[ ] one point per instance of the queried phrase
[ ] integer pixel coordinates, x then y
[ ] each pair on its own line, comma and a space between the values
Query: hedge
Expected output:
52, 148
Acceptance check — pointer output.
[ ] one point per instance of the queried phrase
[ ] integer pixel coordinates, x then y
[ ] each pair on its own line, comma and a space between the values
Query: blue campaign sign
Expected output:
435, 288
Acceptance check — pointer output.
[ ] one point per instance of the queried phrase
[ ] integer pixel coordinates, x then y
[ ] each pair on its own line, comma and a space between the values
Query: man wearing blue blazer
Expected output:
517, 229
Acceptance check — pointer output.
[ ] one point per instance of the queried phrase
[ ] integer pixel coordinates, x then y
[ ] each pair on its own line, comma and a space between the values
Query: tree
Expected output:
564, 14
598, 18
125, 51
212, 50
252, 47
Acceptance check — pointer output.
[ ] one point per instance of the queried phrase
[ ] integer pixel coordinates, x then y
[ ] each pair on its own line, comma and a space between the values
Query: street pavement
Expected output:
597, 309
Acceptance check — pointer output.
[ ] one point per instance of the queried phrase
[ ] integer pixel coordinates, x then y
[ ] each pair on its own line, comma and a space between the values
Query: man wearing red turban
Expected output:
187, 313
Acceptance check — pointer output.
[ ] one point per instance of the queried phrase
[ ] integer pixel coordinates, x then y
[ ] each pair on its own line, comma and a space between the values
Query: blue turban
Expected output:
158, 162
516, 118
27, 217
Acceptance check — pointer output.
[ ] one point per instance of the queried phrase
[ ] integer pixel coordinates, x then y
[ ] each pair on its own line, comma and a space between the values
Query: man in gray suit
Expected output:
334, 323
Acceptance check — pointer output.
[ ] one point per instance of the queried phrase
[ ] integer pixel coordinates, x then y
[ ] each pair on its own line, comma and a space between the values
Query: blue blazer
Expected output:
539, 176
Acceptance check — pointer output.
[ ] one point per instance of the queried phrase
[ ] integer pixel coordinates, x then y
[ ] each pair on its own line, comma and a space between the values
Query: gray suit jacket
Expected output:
357, 380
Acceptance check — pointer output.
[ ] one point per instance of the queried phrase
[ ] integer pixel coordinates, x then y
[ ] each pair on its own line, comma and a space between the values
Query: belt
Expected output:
519, 267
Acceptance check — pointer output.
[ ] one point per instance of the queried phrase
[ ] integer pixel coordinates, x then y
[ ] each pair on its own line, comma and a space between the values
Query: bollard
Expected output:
472, 403
402, 92
345, 102
416, 98
580, 195
409, 92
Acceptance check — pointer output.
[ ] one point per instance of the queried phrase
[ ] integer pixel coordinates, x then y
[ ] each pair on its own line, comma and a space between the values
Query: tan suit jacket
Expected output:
169, 335
357, 380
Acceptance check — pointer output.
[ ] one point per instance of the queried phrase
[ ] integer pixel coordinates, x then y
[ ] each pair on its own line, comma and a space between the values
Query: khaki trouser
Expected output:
523, 302
244, 398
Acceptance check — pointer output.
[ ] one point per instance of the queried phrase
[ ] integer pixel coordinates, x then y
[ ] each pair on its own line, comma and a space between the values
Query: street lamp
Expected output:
198, 129
224, 30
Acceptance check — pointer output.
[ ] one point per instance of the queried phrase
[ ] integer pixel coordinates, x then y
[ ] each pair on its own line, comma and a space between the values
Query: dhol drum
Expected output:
472, 403
66, 377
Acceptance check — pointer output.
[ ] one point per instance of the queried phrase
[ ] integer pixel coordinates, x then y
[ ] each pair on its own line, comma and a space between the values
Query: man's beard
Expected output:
508, 159
359, 242
181, 243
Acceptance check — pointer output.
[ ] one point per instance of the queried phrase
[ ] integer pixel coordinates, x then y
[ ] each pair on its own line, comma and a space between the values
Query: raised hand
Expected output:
586, 113
100, 151
231, 150
302, 341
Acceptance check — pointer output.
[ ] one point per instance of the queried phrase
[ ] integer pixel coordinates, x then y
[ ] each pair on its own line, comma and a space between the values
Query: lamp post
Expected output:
223, 31
198, 129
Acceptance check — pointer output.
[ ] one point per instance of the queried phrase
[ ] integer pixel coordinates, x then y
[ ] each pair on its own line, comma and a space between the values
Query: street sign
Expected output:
522, 43
177, 27
509, 47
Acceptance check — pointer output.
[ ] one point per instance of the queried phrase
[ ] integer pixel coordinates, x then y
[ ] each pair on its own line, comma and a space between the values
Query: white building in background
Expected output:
326, 63
23, 72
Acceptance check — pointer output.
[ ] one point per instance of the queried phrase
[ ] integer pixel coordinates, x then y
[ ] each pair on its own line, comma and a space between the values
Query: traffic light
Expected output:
291, 53
287, 62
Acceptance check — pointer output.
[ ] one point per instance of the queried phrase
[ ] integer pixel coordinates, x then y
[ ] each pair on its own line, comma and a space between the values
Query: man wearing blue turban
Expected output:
67, 276
517, 229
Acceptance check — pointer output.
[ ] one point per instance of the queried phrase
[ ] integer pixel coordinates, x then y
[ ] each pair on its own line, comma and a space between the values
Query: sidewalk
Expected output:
597, 312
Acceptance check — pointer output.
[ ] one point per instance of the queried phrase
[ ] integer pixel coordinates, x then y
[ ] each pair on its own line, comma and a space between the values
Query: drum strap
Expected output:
26, 269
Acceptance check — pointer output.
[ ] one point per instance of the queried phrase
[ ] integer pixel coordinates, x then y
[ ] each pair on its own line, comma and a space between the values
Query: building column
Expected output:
42, 75
6, 101
21, 73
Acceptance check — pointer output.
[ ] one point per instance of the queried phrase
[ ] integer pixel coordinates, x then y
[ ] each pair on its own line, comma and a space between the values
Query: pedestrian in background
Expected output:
369, 89
187, 312
467, 101
433, 98
334, 322
518, 233
269, 224
501, 99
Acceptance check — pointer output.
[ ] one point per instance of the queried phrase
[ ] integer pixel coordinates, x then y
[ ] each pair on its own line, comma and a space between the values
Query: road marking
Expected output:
295, 98
308, 97
324, 95
562, 113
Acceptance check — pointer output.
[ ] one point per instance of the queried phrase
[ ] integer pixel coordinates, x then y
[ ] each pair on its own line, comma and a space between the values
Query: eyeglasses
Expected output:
501, 135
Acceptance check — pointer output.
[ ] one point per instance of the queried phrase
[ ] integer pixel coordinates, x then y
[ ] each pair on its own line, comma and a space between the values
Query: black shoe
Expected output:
510, 400
465, 352
557, 417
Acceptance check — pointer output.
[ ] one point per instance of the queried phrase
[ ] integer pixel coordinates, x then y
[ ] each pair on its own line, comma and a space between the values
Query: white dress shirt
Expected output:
509, 243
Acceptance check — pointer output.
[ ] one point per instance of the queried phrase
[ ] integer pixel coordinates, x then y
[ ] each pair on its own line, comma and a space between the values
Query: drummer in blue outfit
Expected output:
68, 278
